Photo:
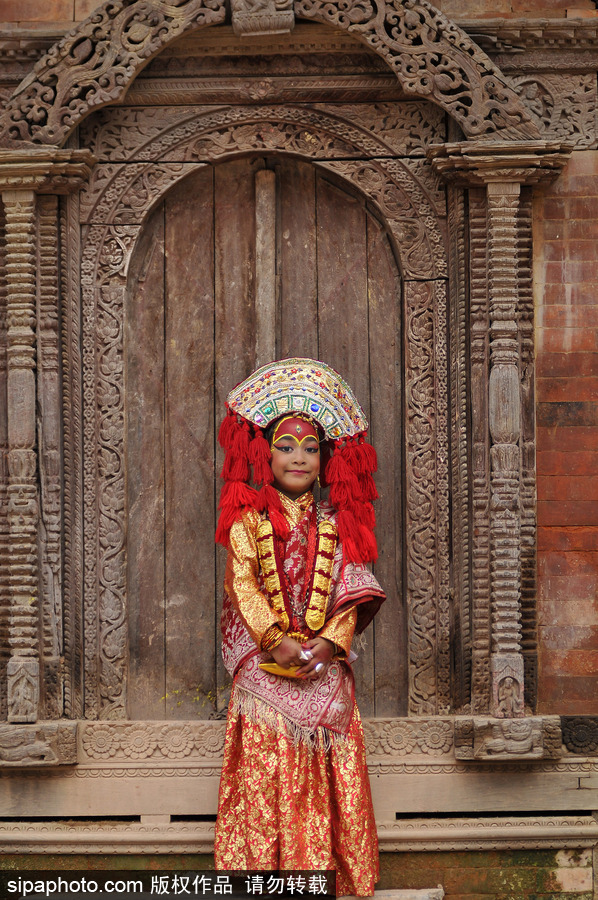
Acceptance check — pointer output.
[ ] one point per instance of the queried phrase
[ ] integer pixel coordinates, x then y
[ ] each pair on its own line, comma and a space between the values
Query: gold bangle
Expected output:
272, 638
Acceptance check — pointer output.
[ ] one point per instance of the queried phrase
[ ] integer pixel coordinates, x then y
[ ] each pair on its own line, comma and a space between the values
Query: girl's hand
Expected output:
287, 652
322, 651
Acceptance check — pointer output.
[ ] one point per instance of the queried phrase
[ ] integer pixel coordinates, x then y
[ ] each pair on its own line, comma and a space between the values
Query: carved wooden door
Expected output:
193, 329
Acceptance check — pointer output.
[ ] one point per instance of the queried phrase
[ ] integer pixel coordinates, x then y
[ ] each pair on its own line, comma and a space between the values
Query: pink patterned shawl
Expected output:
304, 704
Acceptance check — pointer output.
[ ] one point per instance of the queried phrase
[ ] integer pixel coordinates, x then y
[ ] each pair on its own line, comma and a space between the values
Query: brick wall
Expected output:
566, 297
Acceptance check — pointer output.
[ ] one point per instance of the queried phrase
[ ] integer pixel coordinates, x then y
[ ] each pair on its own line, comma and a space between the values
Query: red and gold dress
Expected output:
294, 791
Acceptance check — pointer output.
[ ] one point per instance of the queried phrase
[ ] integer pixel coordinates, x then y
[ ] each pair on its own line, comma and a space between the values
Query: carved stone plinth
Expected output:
44, 744
508, 739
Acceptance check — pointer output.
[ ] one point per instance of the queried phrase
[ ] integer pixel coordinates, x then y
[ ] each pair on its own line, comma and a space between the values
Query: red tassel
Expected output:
367, 545
268, 500
237, 494
341, 496
260, 456
368, 454
236, 461
227, 429
338, 469
348, 532
234, 498
368, 487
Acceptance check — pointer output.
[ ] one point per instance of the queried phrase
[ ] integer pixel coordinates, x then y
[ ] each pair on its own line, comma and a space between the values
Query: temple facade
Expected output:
410, 193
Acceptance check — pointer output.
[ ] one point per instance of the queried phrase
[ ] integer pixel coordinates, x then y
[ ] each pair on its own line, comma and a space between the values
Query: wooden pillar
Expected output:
506, 663
23, 175
502, 168
23, 665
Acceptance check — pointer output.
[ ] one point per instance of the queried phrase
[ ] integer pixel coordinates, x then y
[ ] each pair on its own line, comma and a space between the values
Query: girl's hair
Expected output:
347, 467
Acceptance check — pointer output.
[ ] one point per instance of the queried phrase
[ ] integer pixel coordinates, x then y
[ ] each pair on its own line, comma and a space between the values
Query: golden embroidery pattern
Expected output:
319, 586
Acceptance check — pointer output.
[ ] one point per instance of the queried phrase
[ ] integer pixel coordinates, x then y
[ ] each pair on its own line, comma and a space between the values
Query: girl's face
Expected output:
295, 456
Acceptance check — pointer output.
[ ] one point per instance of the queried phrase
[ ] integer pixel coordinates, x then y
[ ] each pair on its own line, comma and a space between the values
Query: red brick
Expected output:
549, 707
554, 271
553, 250
570, 662
567, 315
555, 208
555, 462
568, 487
554, 293
568, 563
568, 512
569, 688
565, 339
581, 249
552, 230
577, 271
34, 11
565, 437
564, 364
558, 636
583, 293
576, 184
582, 208
579, 229
572, 388
567, 539
568, 591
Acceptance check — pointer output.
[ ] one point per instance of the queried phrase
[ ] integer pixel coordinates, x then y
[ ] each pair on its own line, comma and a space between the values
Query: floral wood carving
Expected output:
427, 498
49, 449
105, 258
563, 106
432, 58
406, 191
95, 63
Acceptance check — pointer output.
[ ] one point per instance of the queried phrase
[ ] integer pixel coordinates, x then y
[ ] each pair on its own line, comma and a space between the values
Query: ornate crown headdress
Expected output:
311, 389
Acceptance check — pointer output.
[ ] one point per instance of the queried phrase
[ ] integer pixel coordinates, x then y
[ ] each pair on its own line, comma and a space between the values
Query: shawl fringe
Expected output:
260, 713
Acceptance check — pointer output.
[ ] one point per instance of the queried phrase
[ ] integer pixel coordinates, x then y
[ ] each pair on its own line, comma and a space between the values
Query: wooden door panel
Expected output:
144, 349
298, 260
189, 447
384, 295
190, 338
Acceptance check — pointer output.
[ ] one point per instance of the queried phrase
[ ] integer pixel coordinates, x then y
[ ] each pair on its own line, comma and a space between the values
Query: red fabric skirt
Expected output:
285, 804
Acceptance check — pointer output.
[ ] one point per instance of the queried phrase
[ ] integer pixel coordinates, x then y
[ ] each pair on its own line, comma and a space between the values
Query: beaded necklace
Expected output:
321, 546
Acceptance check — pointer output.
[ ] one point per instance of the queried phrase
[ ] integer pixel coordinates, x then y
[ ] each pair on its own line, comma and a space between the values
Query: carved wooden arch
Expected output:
95, 63
106, 254
123, 193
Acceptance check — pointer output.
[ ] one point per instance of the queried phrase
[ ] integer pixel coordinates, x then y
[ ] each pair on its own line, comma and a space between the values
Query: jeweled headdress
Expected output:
312, 389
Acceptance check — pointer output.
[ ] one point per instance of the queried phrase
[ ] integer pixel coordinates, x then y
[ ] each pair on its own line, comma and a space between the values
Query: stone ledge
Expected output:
161, 835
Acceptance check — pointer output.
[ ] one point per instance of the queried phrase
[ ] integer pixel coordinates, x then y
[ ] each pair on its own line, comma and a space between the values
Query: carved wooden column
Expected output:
503, 169
22, 176
23, 665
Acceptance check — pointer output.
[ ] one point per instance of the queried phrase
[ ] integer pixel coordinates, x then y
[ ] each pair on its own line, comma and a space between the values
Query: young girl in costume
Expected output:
294, 792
